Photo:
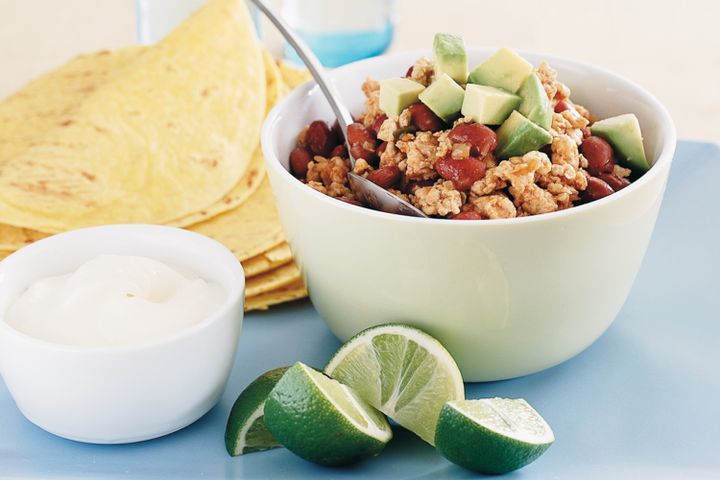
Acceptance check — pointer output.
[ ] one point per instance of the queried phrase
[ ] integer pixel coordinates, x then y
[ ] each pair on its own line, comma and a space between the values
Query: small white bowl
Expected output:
507, 297
127, 393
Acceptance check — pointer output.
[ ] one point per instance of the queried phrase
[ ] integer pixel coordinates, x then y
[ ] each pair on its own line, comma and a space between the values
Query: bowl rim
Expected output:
668, 137
82, 235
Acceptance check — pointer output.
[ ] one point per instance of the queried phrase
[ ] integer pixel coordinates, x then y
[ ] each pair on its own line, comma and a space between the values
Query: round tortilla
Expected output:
169, 135
293, 76
272, 280
31, 112
249, 229
256, 171
266, 261
292, 291
27, 115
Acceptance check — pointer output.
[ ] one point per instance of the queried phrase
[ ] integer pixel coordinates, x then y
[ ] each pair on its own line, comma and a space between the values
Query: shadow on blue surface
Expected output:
639, 403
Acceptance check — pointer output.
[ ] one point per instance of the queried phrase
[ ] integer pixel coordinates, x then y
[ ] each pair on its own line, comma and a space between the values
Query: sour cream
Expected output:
114, 300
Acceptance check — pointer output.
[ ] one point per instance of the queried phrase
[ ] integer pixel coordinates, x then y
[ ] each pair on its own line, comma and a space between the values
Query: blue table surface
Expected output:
643, 402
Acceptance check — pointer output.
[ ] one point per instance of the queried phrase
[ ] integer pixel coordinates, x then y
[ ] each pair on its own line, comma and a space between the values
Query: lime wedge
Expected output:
323, 421
403, 372
246, 431
492, 436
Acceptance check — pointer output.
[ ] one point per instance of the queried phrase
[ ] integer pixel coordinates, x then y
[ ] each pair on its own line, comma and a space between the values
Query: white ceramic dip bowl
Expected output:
507, 297
121, 394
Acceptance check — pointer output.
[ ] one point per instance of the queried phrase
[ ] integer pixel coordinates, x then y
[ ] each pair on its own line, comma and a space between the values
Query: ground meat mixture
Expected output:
450, 170
440, 199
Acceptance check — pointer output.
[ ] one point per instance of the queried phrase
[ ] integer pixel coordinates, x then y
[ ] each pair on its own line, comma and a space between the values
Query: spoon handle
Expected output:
312, 63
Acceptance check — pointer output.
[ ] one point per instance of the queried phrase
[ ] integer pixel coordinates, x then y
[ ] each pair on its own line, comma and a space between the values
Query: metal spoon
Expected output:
363, 189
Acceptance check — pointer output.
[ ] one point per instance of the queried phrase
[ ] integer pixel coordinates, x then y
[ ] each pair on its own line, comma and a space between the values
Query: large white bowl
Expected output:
507, 297
126, 393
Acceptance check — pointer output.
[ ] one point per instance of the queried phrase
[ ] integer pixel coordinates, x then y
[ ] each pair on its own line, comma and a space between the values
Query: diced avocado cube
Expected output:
396, 94
450, 57
504, 69
535, 103
623, 133
444, 97
488, 105
518, 136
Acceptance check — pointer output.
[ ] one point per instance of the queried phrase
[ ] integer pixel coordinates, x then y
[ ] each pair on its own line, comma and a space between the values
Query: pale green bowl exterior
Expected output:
506, 297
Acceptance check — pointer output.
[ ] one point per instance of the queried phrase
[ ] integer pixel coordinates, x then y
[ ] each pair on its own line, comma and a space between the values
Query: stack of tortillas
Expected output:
166, 134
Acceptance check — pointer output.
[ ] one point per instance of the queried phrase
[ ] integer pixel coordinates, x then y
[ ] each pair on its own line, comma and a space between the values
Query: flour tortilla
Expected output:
256, 171
272, 280
243, 189
293, 76
293, 291
266, 261
27, 115
249, 229
13, 238
167, 136
39, 106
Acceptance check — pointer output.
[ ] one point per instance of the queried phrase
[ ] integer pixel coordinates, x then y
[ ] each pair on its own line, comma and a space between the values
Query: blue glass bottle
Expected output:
341, 31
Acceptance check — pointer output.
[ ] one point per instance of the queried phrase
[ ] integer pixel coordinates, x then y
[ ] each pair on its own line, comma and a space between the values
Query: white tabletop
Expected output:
670, 48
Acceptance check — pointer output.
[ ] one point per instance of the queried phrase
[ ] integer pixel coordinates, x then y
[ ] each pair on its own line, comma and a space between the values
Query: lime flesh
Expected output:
403, 372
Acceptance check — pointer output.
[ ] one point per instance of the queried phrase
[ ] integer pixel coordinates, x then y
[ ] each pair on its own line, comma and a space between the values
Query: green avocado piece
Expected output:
396, 94
518, 136
503, 69
450, 56
488, 105
444, 97
623, 133
535, 103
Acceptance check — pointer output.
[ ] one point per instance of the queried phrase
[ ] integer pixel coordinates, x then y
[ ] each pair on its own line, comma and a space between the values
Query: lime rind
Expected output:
403, 372
322, 421
355, 410
492, 436
246, 417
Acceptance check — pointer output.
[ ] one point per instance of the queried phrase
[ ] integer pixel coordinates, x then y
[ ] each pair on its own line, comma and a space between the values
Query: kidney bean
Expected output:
469, 215
320, 139
338, 131
385, 177
299, 159
424, 119
362, 142
358, 134
562, 105
339, 151
375, 128
615, 182
596, 190
599, 155
462, 172
358, 151
481, 138
586, 132
410, 71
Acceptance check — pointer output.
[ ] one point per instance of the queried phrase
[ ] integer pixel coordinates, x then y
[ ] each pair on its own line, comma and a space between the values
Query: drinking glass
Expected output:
341, 31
